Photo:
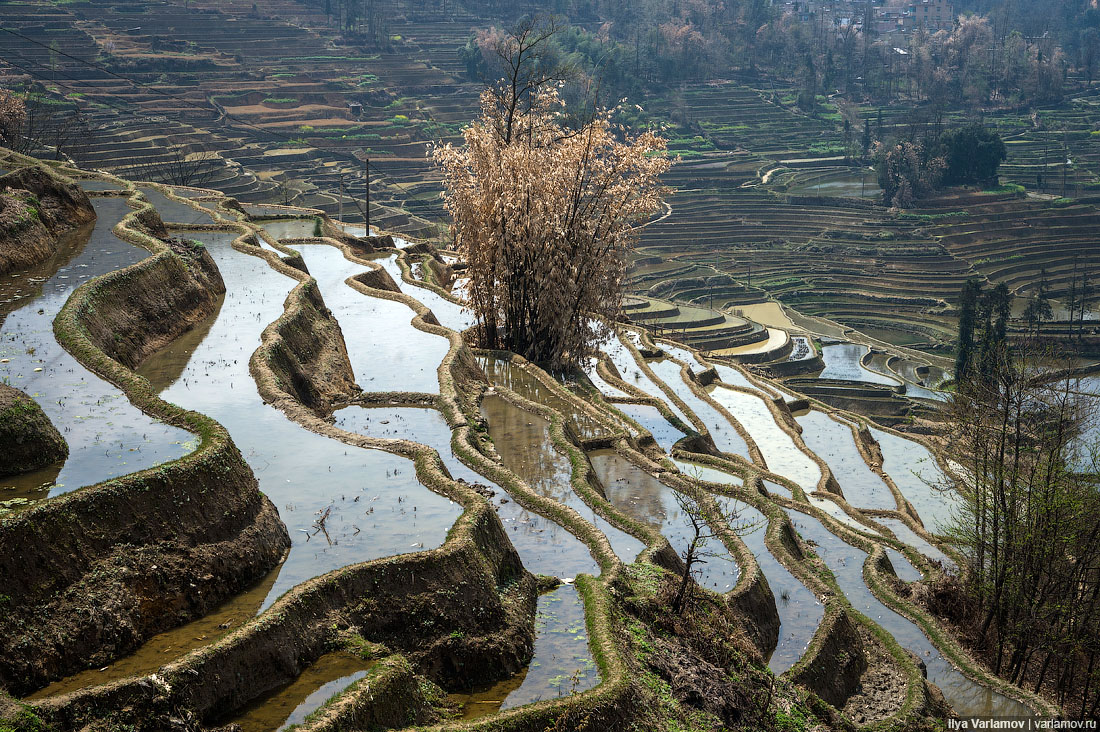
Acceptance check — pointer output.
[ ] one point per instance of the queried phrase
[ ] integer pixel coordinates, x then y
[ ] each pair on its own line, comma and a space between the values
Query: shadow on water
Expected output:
646, 499
170, 645
561, 665
800, 611
291, 704
503, 373
176, 212
523, 442
544, 546
846, 562
107, 435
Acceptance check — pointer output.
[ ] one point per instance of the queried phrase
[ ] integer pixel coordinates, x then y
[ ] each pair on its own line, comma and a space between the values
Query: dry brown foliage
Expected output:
544, 215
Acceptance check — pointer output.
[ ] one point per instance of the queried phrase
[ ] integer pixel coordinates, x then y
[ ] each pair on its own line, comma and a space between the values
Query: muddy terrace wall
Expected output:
93, 573
33, 220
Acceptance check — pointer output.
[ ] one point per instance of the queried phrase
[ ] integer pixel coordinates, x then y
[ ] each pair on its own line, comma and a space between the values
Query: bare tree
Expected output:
707, 525
178, 167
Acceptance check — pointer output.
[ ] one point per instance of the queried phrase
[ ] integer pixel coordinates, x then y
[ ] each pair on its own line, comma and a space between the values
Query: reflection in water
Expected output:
107, 435
725, 437
644, 498
903, 568
561, 665
833, 442
370, 501
780, 453
374, 326
846, 562
172, 644
839, 514
544, 546
289, 228
523, 442
800, 611
503, 373
917, 475
292, 703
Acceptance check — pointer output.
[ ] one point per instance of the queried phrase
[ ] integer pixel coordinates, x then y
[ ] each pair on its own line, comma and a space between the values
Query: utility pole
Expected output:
366, 207
340, 199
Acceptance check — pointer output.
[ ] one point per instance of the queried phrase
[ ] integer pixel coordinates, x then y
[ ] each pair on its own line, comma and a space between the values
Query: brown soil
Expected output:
28, 440
154, 304
881, 689
35, 210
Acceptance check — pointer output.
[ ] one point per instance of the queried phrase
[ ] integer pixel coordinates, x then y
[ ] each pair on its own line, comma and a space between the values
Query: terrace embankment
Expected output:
36, 207
28, 440
90, 575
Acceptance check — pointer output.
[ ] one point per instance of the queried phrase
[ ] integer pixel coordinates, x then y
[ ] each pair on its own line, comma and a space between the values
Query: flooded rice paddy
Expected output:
107, 435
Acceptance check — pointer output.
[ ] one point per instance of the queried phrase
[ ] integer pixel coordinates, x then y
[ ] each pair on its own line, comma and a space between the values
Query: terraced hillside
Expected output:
465, 494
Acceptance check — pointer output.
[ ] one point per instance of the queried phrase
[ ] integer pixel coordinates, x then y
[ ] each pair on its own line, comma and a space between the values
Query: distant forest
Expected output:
1000, 54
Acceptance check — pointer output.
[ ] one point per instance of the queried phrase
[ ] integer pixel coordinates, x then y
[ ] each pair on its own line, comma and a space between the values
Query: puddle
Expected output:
833, 442
523, 442
175, 211
373, 504
651, 419
800, 611
781, 454
387, 353
644, 498
544, 546
699, 471
107, 435
843, 361
562, 663
969, 698
291, 704
915, 472
172, 644
503, 373
913, 539
725, 437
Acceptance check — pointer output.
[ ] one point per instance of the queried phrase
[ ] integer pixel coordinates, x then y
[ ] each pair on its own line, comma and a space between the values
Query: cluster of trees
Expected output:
366, 20
33, 123
994, 59
1030, 524
544, 207
908, 170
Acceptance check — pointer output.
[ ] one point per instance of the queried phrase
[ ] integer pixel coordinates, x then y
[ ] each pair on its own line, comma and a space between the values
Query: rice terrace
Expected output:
587, 365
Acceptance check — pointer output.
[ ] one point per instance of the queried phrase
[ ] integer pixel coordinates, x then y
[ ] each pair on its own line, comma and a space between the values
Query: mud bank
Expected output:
92, 574
36, 207
28, 440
